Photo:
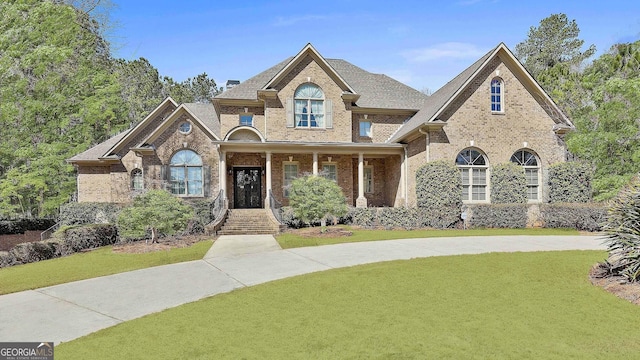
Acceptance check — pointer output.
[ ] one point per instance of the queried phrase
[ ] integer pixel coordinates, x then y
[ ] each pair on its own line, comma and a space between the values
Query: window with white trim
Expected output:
330, 171
309, 106
530, 163
368, 179
473, 167
185, 175
365, 128
137, 180
290, 173
497, 95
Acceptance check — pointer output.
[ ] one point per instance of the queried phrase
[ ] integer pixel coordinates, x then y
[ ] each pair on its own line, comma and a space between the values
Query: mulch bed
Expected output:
9, 241
616, 285
163, 244
316, 232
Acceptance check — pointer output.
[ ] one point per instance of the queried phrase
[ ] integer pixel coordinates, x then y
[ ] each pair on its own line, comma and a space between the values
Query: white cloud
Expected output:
450, 50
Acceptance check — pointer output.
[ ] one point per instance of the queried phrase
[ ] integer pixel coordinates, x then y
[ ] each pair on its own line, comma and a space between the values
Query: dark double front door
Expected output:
247, 188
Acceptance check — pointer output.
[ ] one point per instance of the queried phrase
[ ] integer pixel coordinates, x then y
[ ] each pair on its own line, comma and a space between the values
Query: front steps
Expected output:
249, 222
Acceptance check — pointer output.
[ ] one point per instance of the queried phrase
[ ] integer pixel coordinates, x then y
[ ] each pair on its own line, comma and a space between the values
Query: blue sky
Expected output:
423, 44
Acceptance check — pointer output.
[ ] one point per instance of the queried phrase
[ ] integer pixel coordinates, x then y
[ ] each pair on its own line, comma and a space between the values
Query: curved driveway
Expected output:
68, 311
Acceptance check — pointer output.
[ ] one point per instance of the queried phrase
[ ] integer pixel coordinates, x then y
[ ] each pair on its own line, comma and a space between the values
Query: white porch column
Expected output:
268, 174
361, 201
315, 163
222, 172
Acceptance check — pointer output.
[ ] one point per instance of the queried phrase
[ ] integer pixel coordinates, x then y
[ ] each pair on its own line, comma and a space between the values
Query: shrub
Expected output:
156, 211
289, 218
316, 198
202, 211
78, 238
29, 252
89, 213
498, 216
438, 184
585, 217
19, 226
570, 182
508, 184
623, 234
406, 218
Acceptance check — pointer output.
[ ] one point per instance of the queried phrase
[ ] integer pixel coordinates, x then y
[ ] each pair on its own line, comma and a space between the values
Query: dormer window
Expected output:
309, 107
497, 88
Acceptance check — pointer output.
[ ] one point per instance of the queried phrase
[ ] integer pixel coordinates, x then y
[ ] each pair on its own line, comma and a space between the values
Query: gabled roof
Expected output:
438, 102
97, 152
202, 114
168, 102
375, 90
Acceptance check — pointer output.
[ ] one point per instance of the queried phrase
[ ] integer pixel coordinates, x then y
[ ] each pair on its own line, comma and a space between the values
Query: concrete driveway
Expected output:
68, 311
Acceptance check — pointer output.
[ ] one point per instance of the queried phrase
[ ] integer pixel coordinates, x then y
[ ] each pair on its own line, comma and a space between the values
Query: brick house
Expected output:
309, 114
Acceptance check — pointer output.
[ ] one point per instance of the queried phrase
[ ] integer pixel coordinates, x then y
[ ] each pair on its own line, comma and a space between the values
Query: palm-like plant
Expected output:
623, 234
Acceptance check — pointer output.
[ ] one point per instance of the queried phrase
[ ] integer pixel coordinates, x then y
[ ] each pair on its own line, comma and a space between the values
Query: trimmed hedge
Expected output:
570, 182
438, 184
585, 217
508, 184
405, 218
66, 242
19, 226
84, 213
511, 216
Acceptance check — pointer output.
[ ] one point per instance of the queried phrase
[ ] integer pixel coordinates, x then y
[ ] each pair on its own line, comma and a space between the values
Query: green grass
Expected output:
292, 240
99, 262
489, 306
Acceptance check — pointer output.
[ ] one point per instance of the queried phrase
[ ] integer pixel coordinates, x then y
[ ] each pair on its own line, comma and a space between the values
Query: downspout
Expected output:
405, 190
428, 141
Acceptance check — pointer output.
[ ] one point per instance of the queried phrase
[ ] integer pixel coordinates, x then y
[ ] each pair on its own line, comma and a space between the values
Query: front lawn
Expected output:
490, 306
297, 238
98, 262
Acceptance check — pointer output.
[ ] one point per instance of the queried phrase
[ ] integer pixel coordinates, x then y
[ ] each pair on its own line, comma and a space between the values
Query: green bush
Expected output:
570, 182
89, 213
405, 218
585, 217
78, 238
508, 184
623, 234
316, 198
512, 216
438, 184
157, 212
19, 226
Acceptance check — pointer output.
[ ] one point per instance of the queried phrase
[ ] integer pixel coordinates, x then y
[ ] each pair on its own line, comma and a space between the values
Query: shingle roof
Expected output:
375, 90
437, 100
206, 113
98, 151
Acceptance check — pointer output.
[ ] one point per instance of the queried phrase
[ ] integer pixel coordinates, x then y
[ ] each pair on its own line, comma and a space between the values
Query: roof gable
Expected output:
137, 130
308, 51
183, 109
439, 101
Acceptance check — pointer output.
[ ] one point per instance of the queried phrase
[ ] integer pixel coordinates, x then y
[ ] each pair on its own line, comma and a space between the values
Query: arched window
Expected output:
186, 173
531, 166
497, 89
473, 170
137, 181
309, 106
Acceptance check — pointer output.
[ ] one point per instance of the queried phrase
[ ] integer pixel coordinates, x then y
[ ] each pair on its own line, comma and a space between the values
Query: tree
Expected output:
156, 211
554, 42
607, 127
200, 89
316, 198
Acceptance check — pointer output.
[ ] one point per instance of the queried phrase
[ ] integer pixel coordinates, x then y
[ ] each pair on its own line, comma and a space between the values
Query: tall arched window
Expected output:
186, 173
309, 106
473, 170
530, 163
137, 180
497, 89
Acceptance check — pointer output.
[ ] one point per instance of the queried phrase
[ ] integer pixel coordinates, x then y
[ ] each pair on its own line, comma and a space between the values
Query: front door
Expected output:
246, 188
